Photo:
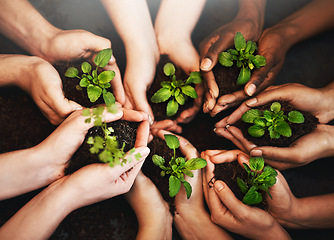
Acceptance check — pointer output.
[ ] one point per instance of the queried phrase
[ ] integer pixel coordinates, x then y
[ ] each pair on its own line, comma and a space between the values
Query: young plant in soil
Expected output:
260, 179
273, 120
178, 91
95, 82
243, 55
177, 167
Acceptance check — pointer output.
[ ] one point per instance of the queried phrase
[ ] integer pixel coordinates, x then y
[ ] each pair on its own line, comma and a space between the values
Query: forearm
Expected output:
328, 93
40, 217
312, 19
22, 23
253, 10
24, 171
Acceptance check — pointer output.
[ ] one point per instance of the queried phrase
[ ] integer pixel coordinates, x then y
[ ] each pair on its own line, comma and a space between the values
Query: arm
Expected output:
133, 23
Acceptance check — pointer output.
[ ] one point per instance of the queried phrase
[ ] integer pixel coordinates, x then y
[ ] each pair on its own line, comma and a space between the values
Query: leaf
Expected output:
174, 186
194, 77
260, 122
268, 115
225, 59
86, 67
158, 160
256, 163
252, 197
189, 91
275, 107
239, 41
188, 173
296, 117
84, 82
244, 76
242, 185
253, 48
169, 69
251, 115
273, 134
172, 141
172, 107
180, 98
248, 170
248, 46
283, 128
161, 95
94, 92
259, 61
102, 57
109, 99
106, 76
256, 131
188, 188
195, 163
269, 169
72, 72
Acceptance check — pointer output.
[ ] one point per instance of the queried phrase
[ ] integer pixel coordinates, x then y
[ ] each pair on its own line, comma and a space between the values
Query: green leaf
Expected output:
188, 173
283, 128
169, 69
273, 134
275, 107
72, 72
180, 98
172, 107
225, 59
94, 74
189, 91
109, 99
248, 46
272, 171
172, 141
106, 76
260, 122
256, 163
296, 117
248, 170
251, 115
256, 131
252, 197
239, 41
94, 92
194, 77
253, 48
188, 188
86, 112
158, 160
242, 185
268, 115
259, 61
86, 67
102, 58
174, 186
84, 82
244, 75
195, 163
161, 95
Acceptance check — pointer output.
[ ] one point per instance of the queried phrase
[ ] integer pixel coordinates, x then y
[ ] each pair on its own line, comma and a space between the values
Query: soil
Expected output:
159, 109
226, 78
298, 130
228, 173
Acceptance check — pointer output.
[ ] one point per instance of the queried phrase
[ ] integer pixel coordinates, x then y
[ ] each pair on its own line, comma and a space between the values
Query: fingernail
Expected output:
256, 153
251, 102
227, 126
78, 109
150, 119
218, 185
215, 130
144, 151
211, 93
206, 64
250, 90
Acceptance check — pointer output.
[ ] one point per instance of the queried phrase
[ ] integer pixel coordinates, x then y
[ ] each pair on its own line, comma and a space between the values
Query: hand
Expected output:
230, 213
249, 21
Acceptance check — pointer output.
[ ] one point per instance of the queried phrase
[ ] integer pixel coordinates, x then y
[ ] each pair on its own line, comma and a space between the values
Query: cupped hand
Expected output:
230, 213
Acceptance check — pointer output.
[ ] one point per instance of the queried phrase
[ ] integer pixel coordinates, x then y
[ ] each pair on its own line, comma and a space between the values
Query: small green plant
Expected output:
274, 120
177, 167
96, 83
178, 90
243, 54
260, 178
107, 147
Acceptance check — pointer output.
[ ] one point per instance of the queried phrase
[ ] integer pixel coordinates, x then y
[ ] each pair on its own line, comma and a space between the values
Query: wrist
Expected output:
328, 97
253, 11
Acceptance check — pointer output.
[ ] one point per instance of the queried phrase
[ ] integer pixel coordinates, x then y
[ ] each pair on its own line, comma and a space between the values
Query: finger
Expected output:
229, 99
211, 84
94, 43
187, 149
133, 115
143, 133
226, 134
209, 103
116, 82
163, 124
188, 114
280, 165
237, 133
234, 117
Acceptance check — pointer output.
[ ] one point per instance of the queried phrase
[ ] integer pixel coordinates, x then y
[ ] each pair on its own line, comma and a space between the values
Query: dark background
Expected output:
22, 125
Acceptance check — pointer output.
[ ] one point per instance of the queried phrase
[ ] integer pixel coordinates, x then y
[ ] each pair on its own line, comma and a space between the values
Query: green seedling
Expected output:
177, 167
107, 147
178, 90
273, 120
96, 83
260, 179
243, 54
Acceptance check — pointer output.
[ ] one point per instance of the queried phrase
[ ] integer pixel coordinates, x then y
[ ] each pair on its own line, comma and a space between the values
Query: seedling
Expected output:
274, 120
178, 90
243, 54
260, 178
96, 83
107, 147
177, 167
